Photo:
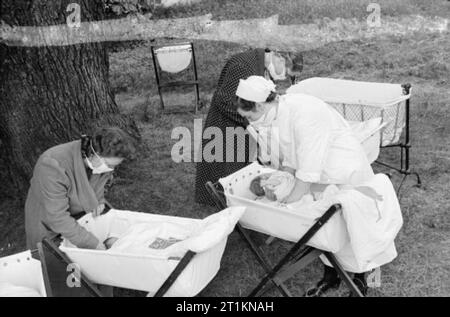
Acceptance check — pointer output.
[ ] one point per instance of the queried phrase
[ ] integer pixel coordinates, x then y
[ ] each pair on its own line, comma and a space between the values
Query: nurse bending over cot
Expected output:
316, 145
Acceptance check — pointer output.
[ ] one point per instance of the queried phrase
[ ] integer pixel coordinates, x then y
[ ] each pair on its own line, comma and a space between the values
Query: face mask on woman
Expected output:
273, 73
266, 119
102, 168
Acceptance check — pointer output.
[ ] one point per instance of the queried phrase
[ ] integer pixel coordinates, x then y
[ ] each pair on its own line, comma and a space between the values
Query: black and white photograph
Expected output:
236, 151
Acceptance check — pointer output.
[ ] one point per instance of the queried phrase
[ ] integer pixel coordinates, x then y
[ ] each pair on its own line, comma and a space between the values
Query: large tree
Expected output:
54, 78
51, 94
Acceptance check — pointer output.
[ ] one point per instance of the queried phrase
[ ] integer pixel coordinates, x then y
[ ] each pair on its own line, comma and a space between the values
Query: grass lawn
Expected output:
156, 184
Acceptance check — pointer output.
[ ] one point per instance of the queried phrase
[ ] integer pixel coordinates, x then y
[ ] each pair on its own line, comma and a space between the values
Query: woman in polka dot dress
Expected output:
223, 112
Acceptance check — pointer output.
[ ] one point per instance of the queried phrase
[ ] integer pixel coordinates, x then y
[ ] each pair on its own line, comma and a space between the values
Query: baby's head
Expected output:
256, 188
274, 186
259, 190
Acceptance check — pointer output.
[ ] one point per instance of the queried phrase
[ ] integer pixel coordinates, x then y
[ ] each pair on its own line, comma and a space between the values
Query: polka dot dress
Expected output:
222, 114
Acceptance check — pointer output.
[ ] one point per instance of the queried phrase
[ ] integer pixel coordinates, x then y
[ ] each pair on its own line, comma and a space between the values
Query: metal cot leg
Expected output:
408, 143
302, 242
404, 147
157, 78
221, 204
197, 90
61, 287
263, 261
175, 273
300, 260
344, 276
308, 255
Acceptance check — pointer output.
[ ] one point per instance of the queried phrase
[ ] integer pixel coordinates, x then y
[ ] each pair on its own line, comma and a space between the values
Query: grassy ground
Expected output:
156, 184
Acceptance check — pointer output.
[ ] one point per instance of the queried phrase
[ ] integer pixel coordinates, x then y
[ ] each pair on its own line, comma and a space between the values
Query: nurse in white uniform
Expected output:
315, 144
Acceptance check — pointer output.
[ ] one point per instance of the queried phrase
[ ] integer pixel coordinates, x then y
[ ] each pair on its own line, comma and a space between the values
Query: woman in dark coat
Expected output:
69, 180
223, 112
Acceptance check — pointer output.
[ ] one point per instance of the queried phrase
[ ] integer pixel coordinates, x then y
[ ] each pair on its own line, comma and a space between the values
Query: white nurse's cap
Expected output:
255, 88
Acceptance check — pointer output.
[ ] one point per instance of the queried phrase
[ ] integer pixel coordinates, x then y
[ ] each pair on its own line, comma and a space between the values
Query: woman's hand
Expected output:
98, 211
109, 242
288, 169
300, 189
269, 185
100, 246
270, 195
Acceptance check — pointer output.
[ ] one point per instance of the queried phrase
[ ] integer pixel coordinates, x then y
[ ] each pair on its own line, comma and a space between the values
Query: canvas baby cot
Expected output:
288, 225
24, 275
175, 59
360, 101
149, 270
313, 232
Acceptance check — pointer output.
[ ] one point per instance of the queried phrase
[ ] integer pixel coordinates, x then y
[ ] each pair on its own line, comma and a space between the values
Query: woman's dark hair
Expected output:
109, 142
250, 105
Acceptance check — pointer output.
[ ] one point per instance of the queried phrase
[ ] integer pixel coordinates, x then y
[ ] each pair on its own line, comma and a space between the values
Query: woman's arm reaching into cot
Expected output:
300, 189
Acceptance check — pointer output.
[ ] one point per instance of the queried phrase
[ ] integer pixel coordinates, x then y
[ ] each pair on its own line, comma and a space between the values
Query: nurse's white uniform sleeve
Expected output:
312, 142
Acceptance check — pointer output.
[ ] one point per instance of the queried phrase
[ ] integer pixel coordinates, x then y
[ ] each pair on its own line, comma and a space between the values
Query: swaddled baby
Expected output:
274, 186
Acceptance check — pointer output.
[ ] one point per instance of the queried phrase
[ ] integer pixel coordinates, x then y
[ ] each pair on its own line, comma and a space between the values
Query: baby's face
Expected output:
259, 190
256, 188
109, 242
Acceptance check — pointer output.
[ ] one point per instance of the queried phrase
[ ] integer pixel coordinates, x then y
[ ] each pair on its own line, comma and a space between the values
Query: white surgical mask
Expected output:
273, 73
268, 137
102, 168
265, 120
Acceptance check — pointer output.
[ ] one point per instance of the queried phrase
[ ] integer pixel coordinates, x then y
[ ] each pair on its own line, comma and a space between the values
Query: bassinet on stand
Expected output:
49, 251
183, 270
175, 59
361, 101
310, 235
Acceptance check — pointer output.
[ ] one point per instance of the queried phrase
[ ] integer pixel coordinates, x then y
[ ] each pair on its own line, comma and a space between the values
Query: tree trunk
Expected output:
50, 95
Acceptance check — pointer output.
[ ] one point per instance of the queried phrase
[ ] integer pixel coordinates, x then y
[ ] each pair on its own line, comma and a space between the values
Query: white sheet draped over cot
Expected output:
361, 235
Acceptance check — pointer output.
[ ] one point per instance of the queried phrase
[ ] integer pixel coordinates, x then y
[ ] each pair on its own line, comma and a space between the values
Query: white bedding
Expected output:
172, 240
361, 235
133, 265
372, 224
372, 221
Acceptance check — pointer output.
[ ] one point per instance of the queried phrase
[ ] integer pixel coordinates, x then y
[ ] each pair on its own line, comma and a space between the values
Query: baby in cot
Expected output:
275, 187
141, 237
157, 243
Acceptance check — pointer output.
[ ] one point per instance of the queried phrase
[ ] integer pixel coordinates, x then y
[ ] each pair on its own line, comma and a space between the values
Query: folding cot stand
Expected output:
49, 251
161, 85
55, 269
404, 146
298, 257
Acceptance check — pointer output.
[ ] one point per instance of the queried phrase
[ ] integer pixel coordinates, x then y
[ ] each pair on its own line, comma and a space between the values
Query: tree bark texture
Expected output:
50, 95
